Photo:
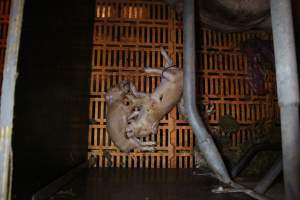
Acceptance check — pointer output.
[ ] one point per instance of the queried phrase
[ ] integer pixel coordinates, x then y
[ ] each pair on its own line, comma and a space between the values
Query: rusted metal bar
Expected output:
8, 93
288, 93
204, 139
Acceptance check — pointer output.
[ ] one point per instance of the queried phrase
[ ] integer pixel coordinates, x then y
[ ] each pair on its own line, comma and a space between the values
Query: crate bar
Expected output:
8, 93
288, 93
204, 140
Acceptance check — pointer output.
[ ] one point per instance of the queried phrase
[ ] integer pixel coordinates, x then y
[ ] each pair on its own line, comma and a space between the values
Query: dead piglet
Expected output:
156, 105
119, 108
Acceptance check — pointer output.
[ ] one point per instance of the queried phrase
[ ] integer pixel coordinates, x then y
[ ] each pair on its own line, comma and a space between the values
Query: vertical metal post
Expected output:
288, 93
204, 140
8, 92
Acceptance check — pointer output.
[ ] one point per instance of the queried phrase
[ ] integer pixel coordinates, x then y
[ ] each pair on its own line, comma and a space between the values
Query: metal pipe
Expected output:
288, 93
8, 93
250, 154
203, 138
264, 184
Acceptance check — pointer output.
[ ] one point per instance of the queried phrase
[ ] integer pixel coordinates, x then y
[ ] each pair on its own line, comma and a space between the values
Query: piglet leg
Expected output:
153, 70
135, 92
169, 62
168, 76
146, 148
133, 115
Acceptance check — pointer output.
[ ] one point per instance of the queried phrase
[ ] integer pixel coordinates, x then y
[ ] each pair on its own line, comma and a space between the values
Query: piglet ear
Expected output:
124, 86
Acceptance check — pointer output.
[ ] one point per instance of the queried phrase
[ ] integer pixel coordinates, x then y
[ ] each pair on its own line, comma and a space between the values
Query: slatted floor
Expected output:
142, 184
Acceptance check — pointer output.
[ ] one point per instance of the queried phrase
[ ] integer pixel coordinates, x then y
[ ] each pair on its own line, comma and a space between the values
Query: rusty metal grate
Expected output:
127, 38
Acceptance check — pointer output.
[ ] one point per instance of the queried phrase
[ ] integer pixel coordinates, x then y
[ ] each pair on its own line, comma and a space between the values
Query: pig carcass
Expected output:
153, 107
119, 108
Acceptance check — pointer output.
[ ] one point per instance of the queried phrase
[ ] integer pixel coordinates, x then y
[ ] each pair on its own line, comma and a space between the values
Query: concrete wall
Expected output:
51, 110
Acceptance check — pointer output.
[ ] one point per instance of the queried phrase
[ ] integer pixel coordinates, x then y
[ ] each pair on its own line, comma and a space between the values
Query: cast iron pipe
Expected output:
203, 139
288, 93
264, 184
250, 154
8, 96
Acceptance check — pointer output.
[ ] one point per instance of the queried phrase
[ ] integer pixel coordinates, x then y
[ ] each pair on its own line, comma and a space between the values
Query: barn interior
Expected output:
237, 138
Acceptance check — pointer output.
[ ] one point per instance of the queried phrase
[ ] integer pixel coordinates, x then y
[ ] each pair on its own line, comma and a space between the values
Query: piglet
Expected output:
119, 108
154, 106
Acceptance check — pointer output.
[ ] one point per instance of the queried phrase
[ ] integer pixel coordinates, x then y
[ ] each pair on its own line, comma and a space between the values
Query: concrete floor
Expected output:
142, 184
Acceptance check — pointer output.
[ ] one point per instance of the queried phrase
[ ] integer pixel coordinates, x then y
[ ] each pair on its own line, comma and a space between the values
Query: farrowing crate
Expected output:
127, 38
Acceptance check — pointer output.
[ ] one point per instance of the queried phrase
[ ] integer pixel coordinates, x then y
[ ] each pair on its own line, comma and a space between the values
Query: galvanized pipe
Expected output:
8, 94
264, 184
288, 93
203, 138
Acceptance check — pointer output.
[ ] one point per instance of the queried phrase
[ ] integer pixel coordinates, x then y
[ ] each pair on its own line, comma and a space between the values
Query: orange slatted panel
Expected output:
127, 38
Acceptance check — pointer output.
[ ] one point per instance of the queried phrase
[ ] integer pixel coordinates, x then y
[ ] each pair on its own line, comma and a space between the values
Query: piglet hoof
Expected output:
148, 149
147, 69
150, 143
129, 133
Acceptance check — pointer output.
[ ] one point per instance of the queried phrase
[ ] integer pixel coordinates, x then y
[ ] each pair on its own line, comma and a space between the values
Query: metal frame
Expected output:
8, 95
288, 90
288, 93
264, 184
250, 154
203, 138
287, 84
